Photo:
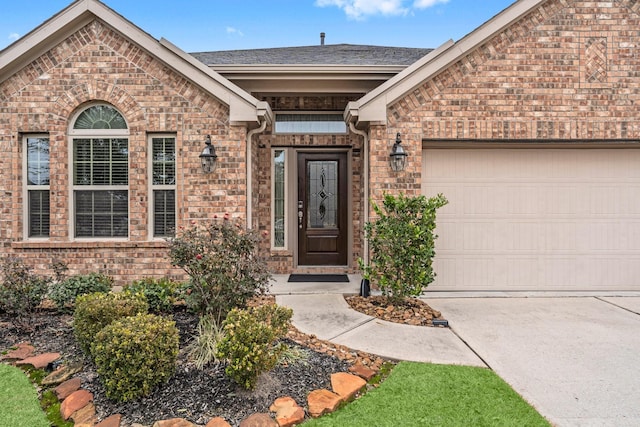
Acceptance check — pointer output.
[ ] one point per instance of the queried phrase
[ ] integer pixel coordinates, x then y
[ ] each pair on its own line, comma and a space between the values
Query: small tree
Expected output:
221, 260
402, 243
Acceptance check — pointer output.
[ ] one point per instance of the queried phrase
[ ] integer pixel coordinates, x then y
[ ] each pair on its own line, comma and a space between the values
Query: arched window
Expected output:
100, 150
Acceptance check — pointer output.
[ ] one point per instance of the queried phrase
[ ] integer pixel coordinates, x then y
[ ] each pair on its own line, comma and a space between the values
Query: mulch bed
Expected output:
199, 395
409, 311
196, 395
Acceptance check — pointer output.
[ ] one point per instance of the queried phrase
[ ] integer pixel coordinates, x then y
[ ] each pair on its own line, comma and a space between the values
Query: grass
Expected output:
418, 394
19, 400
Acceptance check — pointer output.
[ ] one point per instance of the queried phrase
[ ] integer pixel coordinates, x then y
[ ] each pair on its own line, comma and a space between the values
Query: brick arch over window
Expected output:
91, 91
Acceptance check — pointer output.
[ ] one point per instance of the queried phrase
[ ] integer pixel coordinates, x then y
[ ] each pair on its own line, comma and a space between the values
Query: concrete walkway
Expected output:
575, 359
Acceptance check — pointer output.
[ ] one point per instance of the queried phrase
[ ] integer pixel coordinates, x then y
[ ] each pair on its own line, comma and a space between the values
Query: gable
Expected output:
243, 107
558, 58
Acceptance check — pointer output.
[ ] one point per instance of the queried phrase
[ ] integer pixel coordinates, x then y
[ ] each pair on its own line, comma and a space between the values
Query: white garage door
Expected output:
536, 219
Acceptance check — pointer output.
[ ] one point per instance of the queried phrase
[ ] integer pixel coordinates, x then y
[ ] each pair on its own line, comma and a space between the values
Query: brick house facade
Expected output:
529, 125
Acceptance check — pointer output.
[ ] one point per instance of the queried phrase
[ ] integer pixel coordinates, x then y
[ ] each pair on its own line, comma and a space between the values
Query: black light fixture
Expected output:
208, 156
398, 157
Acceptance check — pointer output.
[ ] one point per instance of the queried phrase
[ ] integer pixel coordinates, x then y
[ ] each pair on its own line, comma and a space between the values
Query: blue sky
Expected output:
208, 25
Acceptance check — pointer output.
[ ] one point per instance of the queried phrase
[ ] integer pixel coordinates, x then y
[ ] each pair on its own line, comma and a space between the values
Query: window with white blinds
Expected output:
163, 184
37, 185
100, 173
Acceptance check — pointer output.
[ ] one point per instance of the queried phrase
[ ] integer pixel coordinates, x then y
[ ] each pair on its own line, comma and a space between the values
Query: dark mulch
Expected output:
196, 395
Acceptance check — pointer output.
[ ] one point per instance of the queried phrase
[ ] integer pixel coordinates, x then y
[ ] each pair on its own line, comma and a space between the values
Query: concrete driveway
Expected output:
575, 359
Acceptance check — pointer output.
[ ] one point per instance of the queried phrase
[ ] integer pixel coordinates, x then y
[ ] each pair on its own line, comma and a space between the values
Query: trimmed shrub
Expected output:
159, 293
135, 354
95, 311
402, 242
65, 292
222, 261
250, 342
21, 291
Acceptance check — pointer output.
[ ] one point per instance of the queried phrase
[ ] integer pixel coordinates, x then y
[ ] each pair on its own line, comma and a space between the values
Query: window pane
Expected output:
39, 213
164, 208
310, 123
322, 179
164, 160
278, 198
38, 161
101, 213
101, 161
100, 117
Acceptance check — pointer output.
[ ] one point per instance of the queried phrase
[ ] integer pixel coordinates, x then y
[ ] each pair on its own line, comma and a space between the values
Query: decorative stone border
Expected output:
77, 403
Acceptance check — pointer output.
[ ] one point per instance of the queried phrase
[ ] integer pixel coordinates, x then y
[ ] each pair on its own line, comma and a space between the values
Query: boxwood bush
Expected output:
250, 341
135, 354
95, 311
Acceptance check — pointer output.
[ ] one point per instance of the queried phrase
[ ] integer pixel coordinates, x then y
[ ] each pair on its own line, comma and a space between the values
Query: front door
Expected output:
322, 209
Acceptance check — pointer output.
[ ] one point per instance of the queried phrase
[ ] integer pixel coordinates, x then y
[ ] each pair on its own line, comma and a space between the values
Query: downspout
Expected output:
263, 126
365, 174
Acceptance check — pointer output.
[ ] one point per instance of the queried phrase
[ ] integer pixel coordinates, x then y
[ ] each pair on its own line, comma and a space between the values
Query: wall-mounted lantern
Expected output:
398, 157
208, 156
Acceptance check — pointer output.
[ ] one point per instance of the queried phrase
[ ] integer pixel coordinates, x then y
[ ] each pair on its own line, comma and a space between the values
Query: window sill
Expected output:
88, 244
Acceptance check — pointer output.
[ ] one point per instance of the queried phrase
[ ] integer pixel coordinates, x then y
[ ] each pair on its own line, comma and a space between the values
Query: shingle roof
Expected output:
336, 54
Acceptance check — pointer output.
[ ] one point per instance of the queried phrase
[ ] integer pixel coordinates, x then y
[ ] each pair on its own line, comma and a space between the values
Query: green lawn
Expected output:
418, 394
19, 405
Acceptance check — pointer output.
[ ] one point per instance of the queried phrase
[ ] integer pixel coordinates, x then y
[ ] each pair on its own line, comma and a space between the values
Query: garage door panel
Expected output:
536, 219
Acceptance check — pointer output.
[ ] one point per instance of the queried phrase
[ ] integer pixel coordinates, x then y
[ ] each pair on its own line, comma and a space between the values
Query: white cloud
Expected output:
234, 31
360, 9
14, 36
423, 4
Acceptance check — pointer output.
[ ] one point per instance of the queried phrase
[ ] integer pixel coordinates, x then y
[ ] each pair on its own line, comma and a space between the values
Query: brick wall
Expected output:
97, 64
567, 71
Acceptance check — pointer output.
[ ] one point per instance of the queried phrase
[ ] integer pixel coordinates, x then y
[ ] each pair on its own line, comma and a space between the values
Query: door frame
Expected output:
293, 208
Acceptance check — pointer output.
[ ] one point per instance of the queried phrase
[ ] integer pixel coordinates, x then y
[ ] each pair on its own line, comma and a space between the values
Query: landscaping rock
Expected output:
40, 361
76, 400
363, 372
346, 385
22, 351
67, 387
258, 420
112, 421
62, 374
288, 412
216, 422
84, 416
322, 402
173, 422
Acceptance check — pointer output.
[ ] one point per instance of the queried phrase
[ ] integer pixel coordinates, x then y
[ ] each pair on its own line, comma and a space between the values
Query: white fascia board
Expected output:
243, 106
313, 69
373, 106
65, 22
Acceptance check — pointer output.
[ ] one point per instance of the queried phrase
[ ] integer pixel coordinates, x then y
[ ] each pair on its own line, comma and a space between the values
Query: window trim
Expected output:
151, 187
26, 188
286, 199
91, 134
308, 113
